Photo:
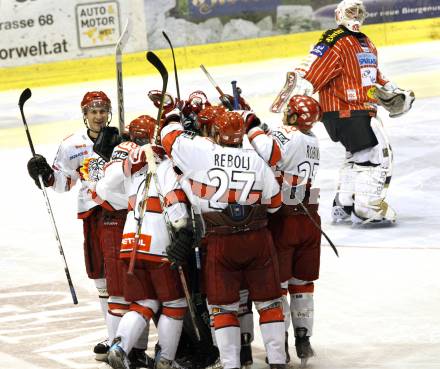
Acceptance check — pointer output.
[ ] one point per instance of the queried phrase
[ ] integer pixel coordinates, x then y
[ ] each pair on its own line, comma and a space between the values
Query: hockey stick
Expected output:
122, 42
156, 62
25, 95
223, 97
196, 248
174, 62
318, 226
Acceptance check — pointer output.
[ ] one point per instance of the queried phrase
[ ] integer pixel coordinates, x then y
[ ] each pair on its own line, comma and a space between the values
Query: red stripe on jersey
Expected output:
169, 139
174, 197
255, 134
275, 155
275, 201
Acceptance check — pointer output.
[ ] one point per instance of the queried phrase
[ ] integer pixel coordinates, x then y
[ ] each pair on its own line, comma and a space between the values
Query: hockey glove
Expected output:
37, 166
106, 141
396, 101
180, 248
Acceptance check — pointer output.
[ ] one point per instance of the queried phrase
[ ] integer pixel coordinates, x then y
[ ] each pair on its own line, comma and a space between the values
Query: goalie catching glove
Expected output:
395, 100
38, 166
180, 247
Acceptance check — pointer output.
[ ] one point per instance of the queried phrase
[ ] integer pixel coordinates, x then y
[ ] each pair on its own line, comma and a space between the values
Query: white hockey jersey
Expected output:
111, 190
220, 175
70, 156
295, 157
154, 232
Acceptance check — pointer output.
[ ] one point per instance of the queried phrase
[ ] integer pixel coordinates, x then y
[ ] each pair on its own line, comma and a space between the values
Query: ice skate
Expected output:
101, 350
117, 358
216, 365
304, 350
163, 363
246, 360
139, 359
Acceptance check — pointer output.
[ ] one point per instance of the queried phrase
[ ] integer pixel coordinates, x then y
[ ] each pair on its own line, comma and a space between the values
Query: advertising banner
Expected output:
202, 9
40, 31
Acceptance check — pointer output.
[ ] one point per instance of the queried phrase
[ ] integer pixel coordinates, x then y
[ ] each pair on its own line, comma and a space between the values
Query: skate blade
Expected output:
246, 366
374, 224
303, 364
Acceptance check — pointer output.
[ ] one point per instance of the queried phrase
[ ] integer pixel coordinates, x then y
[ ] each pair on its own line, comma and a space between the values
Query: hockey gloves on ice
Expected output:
180, 247
106, 141
37, 166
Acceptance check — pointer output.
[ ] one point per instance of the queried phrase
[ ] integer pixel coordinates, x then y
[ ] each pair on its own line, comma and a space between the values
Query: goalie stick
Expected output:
120, 45
284, 94
25, 96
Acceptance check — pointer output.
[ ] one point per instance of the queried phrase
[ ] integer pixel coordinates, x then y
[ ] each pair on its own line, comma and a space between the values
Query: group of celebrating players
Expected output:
192, 218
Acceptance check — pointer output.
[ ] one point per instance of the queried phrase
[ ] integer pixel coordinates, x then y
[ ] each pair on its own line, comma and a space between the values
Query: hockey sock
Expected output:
273, 333
130, 328
227, 333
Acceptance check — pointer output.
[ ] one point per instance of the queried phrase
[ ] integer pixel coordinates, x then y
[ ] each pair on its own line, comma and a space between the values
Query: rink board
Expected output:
235, 52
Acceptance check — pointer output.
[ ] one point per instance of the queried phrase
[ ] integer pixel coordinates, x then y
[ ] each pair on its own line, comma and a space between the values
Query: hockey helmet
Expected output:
95, 99
350, 14
141, 129
229, 128
306, 110
205, 119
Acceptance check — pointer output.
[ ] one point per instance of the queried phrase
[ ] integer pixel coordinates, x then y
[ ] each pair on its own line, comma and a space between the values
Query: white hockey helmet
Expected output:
350, 14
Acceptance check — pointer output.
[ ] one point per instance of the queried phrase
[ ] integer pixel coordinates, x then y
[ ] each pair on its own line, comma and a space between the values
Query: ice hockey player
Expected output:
343, 69
109, 186
65, 173
163, 238
234, 189
293, 151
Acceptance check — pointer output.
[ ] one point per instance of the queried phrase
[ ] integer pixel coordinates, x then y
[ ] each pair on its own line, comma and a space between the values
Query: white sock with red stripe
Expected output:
227, 334
301, 304
101, 286
272, 330
169, 327
117, 307
130, 328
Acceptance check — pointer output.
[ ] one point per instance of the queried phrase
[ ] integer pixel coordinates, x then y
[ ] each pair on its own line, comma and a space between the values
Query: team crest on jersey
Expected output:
319, 50
280, 137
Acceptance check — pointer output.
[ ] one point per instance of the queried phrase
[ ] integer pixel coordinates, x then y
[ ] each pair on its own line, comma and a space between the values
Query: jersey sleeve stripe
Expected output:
169, 139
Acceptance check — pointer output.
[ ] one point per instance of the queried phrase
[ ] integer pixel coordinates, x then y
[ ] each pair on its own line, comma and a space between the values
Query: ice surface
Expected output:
377, 306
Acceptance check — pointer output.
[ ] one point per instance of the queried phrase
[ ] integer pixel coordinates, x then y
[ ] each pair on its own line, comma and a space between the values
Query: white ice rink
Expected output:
377, 306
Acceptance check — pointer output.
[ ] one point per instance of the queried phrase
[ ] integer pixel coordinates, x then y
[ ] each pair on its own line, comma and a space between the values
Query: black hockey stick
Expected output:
156, 62
174, 62
25, 96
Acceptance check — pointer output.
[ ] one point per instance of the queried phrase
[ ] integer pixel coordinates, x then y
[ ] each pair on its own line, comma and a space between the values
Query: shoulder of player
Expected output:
330, 37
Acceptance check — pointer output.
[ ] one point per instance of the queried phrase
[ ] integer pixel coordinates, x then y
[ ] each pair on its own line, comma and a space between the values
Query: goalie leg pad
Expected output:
370, 190
343, 202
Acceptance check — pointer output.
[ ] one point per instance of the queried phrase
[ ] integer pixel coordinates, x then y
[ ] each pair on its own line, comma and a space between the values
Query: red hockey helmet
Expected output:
141, 129
205, 119
230, 128
196, 102
95, 99
305, 109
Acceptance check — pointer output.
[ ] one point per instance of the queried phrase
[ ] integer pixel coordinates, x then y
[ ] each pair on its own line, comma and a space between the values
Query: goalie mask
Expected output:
350, 14
302, 112
229, 129
141, 129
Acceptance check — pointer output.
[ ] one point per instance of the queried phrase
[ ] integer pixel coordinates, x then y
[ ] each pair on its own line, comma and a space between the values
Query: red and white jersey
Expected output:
220, 175
294, 155
343, 68
154, 236
68, 160
111, 189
